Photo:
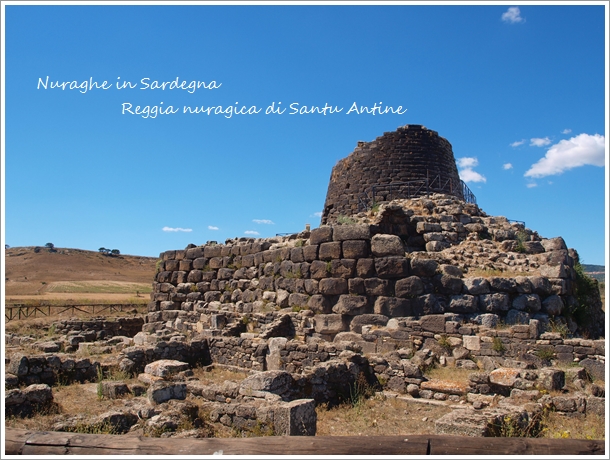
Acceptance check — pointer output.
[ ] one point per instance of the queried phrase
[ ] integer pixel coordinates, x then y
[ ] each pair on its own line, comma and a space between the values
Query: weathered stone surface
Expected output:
351, 232
329, 324
527, 302
392, 267
277, 382
387, 245
552, 305
476, 286
595, 368
295, 418
361, 320
445, 386
433, 323
322, 234
553, 244
162, 391
424, 267
472, 342
464, 303
114, 389
165, 367
392, 306
351, 305
332, 286
504, 376
355, 249
409, 287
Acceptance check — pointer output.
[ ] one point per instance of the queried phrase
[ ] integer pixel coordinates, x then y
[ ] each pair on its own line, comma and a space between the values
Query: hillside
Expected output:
66, 270
595, 271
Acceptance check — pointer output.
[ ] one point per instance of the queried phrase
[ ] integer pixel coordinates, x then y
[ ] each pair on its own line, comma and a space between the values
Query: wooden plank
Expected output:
458, 445
55, 443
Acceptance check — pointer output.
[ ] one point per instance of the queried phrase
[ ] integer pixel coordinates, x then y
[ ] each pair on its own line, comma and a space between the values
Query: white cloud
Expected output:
518, 143
539, 141
467, 174
212, 227
317, 214
263, 221
513, 15
176, 229
251, 232
566, 131
531, 185
581, 150
507, 166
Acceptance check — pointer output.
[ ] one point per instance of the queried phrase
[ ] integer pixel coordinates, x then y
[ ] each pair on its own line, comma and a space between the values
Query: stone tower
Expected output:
409, 162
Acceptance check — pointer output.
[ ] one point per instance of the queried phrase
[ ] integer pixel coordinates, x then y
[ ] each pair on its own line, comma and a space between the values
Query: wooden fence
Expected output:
21, 311
23, 442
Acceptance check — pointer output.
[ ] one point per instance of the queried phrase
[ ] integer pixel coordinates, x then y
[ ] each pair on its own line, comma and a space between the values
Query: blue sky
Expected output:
518, 91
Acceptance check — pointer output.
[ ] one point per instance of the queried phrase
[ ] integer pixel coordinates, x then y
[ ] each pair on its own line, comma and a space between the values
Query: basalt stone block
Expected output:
392, 267
365, 268
172, 265
541, 286
503, 284
329, 251
330, 324
355, 249
392, 306
351, 232
409, 287
527, 302
446, 284
351, 305
194, 276
494, 302
367, 319
212, 251
517, 317
296, 255
463, 304
377, 287
194, 253
311, 286
554, 271
310, 253
433, 323
476, 286
429, 304
423, 267
342, 268
320, 304
524, 285
333, 286
387, 245
553, 244
533, 247
299, 300
552, 305
356, 286
320, 235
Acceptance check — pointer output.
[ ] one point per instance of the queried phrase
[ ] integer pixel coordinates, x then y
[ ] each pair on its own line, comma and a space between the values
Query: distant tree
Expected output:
115, 252
49, 245
102, 250
6, 246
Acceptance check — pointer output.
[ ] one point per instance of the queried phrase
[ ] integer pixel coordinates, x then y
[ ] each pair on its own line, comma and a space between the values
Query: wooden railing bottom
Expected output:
24, 442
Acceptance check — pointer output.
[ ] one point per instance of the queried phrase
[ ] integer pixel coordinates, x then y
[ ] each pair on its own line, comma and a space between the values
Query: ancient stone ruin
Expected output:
419, 277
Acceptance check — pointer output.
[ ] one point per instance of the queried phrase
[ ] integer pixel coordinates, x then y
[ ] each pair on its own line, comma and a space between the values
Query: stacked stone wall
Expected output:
412, 153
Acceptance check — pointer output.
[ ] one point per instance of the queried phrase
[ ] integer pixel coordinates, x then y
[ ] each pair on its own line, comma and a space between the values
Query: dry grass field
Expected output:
75, 274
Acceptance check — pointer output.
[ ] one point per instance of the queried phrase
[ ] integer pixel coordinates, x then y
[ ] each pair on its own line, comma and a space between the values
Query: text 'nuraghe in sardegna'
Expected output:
224, 110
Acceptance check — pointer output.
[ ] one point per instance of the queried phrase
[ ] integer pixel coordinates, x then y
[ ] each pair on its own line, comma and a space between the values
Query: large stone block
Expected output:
328, 251
392, 267
320, 235
424, 267
504, 376
351, 305
409, 287
392, 306
355, 249
387, 245
351, 232
527, 302
552, 305
295, 418
433, 323
476, 286
162, 391
277, 382
165, 367
377, 287
333, 286
330, 324
494, 302
367, 319
463, 304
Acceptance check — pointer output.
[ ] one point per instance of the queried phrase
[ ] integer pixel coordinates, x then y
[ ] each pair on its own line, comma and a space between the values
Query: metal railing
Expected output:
412, 189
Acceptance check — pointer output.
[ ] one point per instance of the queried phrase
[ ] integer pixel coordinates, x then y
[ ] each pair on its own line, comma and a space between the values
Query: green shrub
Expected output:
498, 345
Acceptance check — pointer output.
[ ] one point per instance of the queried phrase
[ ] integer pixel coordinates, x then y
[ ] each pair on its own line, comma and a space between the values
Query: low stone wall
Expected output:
103, 327
50, 369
